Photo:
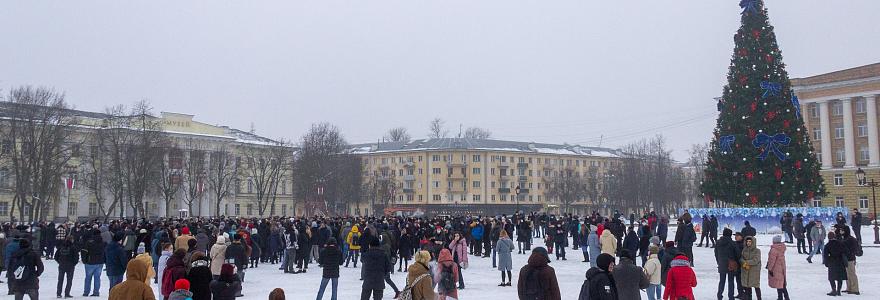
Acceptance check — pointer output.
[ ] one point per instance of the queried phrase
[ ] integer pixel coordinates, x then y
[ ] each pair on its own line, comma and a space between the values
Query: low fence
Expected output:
764, 219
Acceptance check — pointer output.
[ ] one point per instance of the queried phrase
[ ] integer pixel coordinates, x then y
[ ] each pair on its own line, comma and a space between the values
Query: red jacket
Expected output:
681, 280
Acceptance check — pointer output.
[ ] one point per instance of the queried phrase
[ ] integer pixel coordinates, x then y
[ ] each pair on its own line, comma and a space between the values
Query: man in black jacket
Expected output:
330, 259
856, 223
600, 284
375, 266
67, 258
236, 255
27, 282
728, 262
669, 253
93, 259
748, 230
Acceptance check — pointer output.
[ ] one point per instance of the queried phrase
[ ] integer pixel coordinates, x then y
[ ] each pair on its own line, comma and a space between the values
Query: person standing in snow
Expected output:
750, 260
817, 235
537, 279
504, 248
834, 258
776, 268
652, 270
681, 280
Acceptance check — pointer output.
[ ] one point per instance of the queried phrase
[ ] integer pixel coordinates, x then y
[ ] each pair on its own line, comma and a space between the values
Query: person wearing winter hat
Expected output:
668, 253
652, 270
776, 268
227, 286
537, 279
330, 258
199, 276
146, 258
681, 280
134, 287
182, 241
116, 260
181, 290
599, 283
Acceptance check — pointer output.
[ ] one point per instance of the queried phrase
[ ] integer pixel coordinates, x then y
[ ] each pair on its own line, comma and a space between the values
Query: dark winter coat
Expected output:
66, 256
225, 287
630, 279
200, 277
34, 267
687, 236
330, 260
375, 266
725, 252
834, 258
748, 230
537, 270
116, 259
235, 254
176, 270
669, 255
406, 245
202, 242
599, 285
631, 242
93, 252
798, 228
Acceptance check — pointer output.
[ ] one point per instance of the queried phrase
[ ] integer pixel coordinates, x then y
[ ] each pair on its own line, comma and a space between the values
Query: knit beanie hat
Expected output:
653, 249
777, 239
626, 253
181, 284
227, 269
141, 248
185, 230
604, 261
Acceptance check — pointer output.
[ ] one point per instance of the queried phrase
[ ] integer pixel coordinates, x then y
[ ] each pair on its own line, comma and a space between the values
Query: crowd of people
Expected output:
208, 258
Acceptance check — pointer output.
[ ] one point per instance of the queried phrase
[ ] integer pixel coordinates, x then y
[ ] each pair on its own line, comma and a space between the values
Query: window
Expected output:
840, 155
409, 198
476, 184
250, 209
817, 134
476, 171
838, 131
814, 110
284, 187
862, 129
503, 197
837, 108
93, 208
6, 147
476, 158
436, 197
4, 208
531, 198
863, 152
817, 202
250, 188
863, 202
435, 171
435, 157
838, 179
436, 184
71, 208
476, 198
237, 209
492, 185
3, 180
860, 106
493, 198
420, 198
283, 209
838, 201
819, 157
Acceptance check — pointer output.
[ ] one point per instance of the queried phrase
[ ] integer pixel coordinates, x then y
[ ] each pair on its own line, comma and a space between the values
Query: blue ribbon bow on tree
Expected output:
771, 144
770, 88
749, 6
727, 143
797, 105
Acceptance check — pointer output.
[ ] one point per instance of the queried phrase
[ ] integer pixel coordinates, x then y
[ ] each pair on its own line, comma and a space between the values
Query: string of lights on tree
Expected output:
761, 154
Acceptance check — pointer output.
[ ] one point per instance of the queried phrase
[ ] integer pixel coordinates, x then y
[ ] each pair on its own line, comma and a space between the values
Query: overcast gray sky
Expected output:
545, 71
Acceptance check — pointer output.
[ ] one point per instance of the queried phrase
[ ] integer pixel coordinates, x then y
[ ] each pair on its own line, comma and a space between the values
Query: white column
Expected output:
825, 126
849, 140
873, 139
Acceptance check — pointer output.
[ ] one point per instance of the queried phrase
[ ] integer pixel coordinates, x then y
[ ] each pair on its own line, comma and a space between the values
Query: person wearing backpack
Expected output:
25, 268
537, 280
174, 270
599, 283
446, 276
66, 256
354, 246
419, 283
116, 260
227, 285
330, 258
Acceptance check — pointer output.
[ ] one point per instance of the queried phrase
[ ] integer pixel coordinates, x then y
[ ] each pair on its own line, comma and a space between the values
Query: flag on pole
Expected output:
70, 182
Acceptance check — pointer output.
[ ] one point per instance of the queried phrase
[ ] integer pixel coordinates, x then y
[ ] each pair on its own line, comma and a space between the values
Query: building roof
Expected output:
862, 72
482, 144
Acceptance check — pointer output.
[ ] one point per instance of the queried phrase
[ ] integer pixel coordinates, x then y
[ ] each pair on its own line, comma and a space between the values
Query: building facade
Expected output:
840, 111
461, 175
191, 140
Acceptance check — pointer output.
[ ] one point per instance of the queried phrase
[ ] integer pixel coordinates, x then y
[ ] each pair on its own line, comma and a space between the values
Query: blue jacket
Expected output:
477, 232
10, 249
115, 259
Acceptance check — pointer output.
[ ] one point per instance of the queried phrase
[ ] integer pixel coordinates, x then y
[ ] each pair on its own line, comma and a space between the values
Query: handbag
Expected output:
731, 265
406, 293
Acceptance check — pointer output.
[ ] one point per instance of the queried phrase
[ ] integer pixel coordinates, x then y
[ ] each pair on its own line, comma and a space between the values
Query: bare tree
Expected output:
37, 123
397, 134
315, 165
477, 133
194, 174
168, 180
103, 163
222, 175
266, 169
568, 187
436, 129
142, 156
647, 177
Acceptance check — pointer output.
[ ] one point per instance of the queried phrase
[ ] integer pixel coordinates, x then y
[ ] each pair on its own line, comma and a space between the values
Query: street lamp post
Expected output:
860, 175
517, 200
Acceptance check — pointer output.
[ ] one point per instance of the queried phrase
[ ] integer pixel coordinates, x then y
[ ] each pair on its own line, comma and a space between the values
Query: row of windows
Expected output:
839, 132
478, 158
477, 198
839, 201
837, 107
477, 171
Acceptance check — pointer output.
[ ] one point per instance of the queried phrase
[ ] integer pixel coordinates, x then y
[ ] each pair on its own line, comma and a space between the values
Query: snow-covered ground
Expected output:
805, 280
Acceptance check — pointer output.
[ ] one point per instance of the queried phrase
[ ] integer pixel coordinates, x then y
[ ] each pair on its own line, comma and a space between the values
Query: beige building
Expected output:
840, 111
192, 139
460, 175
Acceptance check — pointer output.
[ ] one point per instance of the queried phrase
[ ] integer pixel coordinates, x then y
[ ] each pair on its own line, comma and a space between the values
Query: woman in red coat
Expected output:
680, 281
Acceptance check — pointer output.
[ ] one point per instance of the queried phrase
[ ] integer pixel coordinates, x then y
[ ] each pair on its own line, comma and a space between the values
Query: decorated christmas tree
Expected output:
761, 153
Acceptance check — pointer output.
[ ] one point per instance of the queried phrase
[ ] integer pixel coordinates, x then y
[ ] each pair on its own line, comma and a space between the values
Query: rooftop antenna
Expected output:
253, 129
600, 139
459, 130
